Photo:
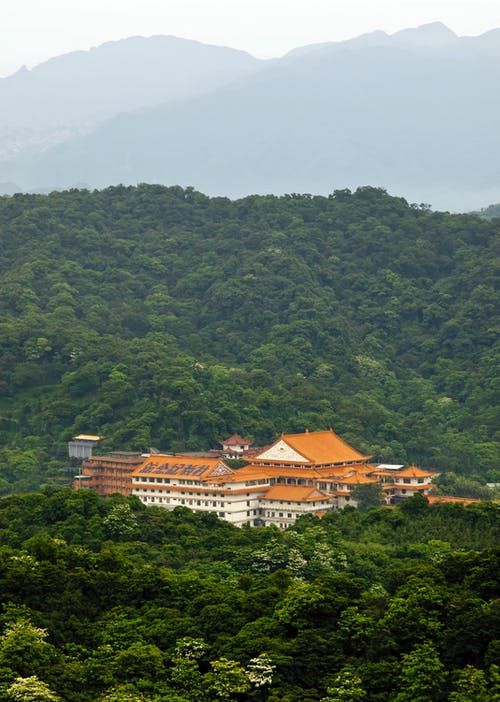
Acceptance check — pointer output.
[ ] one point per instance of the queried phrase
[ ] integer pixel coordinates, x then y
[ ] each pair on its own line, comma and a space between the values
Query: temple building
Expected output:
109, 474
282, 504
203, 484
307, 473
404, 483
235, 446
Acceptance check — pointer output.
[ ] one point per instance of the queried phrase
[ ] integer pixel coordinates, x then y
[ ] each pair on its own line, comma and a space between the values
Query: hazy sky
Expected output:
33, 30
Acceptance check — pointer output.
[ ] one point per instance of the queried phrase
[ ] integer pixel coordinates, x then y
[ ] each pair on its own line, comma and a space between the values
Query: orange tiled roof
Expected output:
294, 493
291, 471
410, 472
187, 467
320, 448
249, 473
415, 472
357, 479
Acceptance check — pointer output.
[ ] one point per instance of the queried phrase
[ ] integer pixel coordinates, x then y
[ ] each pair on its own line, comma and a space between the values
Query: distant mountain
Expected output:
70, 94
416, 112
490, 212
427, 38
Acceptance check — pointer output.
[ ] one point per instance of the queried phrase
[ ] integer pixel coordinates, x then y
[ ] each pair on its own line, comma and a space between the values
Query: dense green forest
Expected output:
109, 600
161, 317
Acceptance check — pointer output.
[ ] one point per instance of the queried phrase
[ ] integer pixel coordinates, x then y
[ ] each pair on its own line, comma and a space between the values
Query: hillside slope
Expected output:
160, 317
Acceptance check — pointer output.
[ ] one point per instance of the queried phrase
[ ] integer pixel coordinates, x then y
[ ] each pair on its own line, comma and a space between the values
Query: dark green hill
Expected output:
107, 600
161, 317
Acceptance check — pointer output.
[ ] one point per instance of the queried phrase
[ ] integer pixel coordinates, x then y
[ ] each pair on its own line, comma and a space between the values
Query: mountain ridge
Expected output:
419, 124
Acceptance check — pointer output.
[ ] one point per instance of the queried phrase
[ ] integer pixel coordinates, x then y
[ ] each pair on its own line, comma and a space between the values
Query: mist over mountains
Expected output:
416, 112
71, 94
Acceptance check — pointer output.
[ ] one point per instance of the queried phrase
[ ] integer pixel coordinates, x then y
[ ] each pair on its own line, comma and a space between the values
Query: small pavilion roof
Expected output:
410, 472
235, 440
416, 472
87, 437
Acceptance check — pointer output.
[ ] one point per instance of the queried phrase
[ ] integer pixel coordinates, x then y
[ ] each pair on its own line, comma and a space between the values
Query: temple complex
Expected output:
307, 473
312, 472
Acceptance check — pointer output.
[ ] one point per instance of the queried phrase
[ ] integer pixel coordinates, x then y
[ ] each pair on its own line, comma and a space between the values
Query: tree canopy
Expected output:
158, 316
386, 604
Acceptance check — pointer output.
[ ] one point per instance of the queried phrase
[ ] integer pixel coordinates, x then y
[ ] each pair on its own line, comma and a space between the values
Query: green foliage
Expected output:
450, 483
227, 679
260, 670
30, 690
376, 605
369, 495
159, 317
422, 675
185, 672
121, 522
347, 687
470, 686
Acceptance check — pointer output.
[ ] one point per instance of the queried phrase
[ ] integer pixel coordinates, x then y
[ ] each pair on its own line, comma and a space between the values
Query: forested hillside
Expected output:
112, 601
161, 317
